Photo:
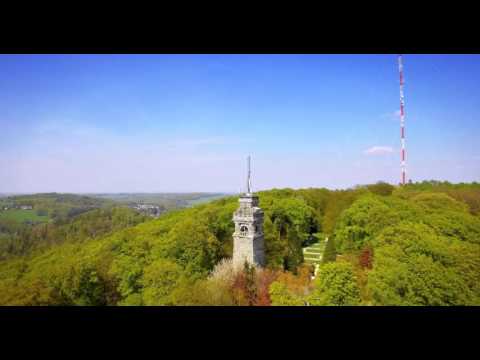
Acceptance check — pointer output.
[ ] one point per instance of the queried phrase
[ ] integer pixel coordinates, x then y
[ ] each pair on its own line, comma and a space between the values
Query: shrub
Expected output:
336, 284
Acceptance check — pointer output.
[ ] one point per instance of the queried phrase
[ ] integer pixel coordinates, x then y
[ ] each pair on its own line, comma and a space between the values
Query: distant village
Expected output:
150, 210
21, 207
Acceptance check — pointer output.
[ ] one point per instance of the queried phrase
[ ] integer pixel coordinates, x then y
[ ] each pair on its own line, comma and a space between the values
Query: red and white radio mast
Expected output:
402, 118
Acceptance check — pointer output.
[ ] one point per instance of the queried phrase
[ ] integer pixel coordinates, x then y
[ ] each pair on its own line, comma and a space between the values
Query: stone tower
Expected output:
248, 236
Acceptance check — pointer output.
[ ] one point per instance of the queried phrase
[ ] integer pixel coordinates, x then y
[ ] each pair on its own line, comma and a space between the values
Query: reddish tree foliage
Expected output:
238, 289
365, 258
264, 279
251, 287
299, 284
244, 287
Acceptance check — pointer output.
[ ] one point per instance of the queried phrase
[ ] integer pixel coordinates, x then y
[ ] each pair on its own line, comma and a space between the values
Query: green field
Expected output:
205, 199
22, 215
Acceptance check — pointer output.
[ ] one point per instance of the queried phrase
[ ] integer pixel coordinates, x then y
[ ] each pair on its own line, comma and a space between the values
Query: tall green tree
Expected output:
330, 252
336, 284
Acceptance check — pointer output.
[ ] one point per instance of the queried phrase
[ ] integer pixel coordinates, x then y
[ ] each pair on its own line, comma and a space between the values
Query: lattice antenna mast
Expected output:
249, 183
402, 118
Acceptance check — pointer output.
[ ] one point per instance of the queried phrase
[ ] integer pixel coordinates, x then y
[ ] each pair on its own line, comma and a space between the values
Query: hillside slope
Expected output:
408, 246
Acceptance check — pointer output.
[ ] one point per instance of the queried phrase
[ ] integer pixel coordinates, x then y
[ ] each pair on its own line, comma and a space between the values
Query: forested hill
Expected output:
30, 222
413, 245
54, 206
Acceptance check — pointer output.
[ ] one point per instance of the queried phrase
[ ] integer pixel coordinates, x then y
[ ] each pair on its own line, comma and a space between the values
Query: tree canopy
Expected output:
417, 244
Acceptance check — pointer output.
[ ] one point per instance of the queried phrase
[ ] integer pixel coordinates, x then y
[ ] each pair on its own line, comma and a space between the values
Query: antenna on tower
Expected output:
249, 184
402, 119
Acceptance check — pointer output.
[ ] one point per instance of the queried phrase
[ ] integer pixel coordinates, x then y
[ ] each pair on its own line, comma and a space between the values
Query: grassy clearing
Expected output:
22, 216
206, 199
313, 254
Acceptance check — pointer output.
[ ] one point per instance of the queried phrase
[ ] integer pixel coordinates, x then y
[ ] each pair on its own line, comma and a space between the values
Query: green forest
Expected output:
417, 244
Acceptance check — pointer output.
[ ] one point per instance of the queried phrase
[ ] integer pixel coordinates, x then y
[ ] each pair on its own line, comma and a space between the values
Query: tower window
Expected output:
243, 229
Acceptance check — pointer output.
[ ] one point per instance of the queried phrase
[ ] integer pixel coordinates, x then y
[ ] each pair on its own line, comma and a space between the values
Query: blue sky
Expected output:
161, 123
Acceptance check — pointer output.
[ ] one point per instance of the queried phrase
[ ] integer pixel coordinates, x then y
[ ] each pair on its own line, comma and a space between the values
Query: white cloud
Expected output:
379, 150
394, 115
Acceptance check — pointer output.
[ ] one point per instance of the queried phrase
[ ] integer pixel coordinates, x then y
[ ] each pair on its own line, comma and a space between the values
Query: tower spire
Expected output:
248, 238
249, 183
